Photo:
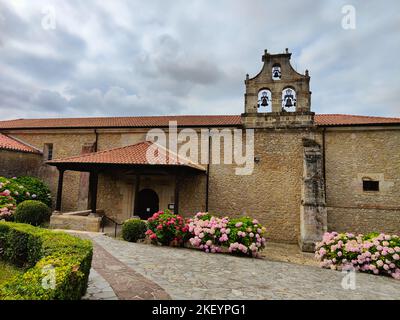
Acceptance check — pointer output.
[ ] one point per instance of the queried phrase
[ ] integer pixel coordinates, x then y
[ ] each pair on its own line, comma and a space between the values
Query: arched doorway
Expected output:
147, 204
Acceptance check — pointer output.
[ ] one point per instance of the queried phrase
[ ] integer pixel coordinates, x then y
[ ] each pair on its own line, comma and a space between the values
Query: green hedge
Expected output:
32, 212
134, 230
37, 249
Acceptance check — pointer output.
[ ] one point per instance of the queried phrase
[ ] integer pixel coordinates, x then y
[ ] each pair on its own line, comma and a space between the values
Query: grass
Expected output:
7, 271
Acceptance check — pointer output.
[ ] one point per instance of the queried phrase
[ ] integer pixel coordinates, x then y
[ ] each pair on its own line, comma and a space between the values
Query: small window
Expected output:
48, 151
369, 185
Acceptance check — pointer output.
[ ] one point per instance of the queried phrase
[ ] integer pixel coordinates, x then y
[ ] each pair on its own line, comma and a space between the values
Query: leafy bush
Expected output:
36, 188
32, 212
134, 230
212, 234
39, 250
14, 189
7, 207
167, 228
372, 253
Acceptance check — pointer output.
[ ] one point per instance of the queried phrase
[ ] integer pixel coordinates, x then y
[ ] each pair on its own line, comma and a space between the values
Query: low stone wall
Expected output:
75, 222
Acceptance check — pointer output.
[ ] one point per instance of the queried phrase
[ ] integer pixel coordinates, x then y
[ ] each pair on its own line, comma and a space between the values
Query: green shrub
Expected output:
134, 230
37, 189
39, 250
32, 212
167, 229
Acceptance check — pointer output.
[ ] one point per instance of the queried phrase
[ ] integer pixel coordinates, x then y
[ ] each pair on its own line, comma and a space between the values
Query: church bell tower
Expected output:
278, 96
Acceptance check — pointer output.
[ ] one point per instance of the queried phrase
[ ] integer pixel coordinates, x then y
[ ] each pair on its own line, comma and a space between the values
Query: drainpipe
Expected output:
96, 139
208, 169
324, 159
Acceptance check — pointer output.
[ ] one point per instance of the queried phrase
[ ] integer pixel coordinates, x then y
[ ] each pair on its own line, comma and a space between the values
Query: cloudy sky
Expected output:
119, 58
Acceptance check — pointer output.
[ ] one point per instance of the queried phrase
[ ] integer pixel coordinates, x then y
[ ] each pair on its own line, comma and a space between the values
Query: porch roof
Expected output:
132, 155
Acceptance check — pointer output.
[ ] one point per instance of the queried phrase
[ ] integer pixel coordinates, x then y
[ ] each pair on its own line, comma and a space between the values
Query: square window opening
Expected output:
370, 185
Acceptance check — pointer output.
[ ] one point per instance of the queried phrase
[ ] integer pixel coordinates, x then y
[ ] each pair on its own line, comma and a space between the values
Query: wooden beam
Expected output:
177, 182
59, 189
93, 182
137, 189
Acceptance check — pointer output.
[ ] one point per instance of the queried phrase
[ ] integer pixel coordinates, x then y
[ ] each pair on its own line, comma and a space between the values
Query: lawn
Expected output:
7, 271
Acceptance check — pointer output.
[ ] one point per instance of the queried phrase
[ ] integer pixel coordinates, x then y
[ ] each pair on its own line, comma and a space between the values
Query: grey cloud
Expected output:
131, 57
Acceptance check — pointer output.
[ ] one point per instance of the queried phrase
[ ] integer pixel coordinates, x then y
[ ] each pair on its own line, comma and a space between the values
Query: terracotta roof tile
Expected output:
9, 143
110, 122
188, 121
346, 119
132, 155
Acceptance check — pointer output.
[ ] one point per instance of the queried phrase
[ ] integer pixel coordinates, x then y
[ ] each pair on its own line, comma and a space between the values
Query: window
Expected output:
370, 185
48, 151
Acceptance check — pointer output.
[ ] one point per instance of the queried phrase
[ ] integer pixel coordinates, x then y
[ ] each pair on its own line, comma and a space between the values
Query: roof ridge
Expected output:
126, 117
354, 115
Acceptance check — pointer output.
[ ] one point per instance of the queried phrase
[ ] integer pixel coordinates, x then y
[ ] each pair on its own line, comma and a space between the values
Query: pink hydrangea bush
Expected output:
373, 253
167, 228
212, 234
246, 237
7, 206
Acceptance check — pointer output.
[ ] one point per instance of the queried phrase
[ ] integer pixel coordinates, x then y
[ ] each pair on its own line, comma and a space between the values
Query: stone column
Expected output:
83, 191
313, 216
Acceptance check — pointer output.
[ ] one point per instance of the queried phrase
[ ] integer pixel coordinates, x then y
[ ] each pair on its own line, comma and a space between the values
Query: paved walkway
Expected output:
140, 271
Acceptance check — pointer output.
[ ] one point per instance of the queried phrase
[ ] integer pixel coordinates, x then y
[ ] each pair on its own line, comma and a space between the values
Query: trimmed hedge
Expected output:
37, 249
134, 230
32, 212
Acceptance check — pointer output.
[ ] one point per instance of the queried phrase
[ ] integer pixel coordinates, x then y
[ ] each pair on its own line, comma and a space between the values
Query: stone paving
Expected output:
190, 274
98, 288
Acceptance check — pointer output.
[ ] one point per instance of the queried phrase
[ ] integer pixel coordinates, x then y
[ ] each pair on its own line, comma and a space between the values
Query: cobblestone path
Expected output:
140, 271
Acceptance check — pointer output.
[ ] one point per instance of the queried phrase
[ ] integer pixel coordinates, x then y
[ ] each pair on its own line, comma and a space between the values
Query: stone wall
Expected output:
65, 143
272, 194
14, 164
351, 155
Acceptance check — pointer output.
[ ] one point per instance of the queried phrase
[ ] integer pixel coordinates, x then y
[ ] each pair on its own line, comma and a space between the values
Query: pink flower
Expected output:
239, 224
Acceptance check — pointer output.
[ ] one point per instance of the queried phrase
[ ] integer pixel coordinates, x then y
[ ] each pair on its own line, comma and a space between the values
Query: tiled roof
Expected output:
112, 122
346, 119
9, 143
183, 121
132, 155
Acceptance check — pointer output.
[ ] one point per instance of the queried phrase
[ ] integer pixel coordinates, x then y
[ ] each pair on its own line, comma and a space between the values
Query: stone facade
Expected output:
306, 178
15, 163
351, 155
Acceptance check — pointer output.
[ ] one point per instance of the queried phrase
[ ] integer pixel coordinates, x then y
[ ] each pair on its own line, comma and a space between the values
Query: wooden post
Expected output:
93, 190
137, 189
59, 189
177, 182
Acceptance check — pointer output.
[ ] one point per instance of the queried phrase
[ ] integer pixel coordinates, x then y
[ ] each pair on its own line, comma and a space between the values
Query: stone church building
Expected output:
312, 172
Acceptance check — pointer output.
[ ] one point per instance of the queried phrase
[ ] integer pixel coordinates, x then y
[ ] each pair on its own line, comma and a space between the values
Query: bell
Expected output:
276, 74
288, 103
289, 99
264, 101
